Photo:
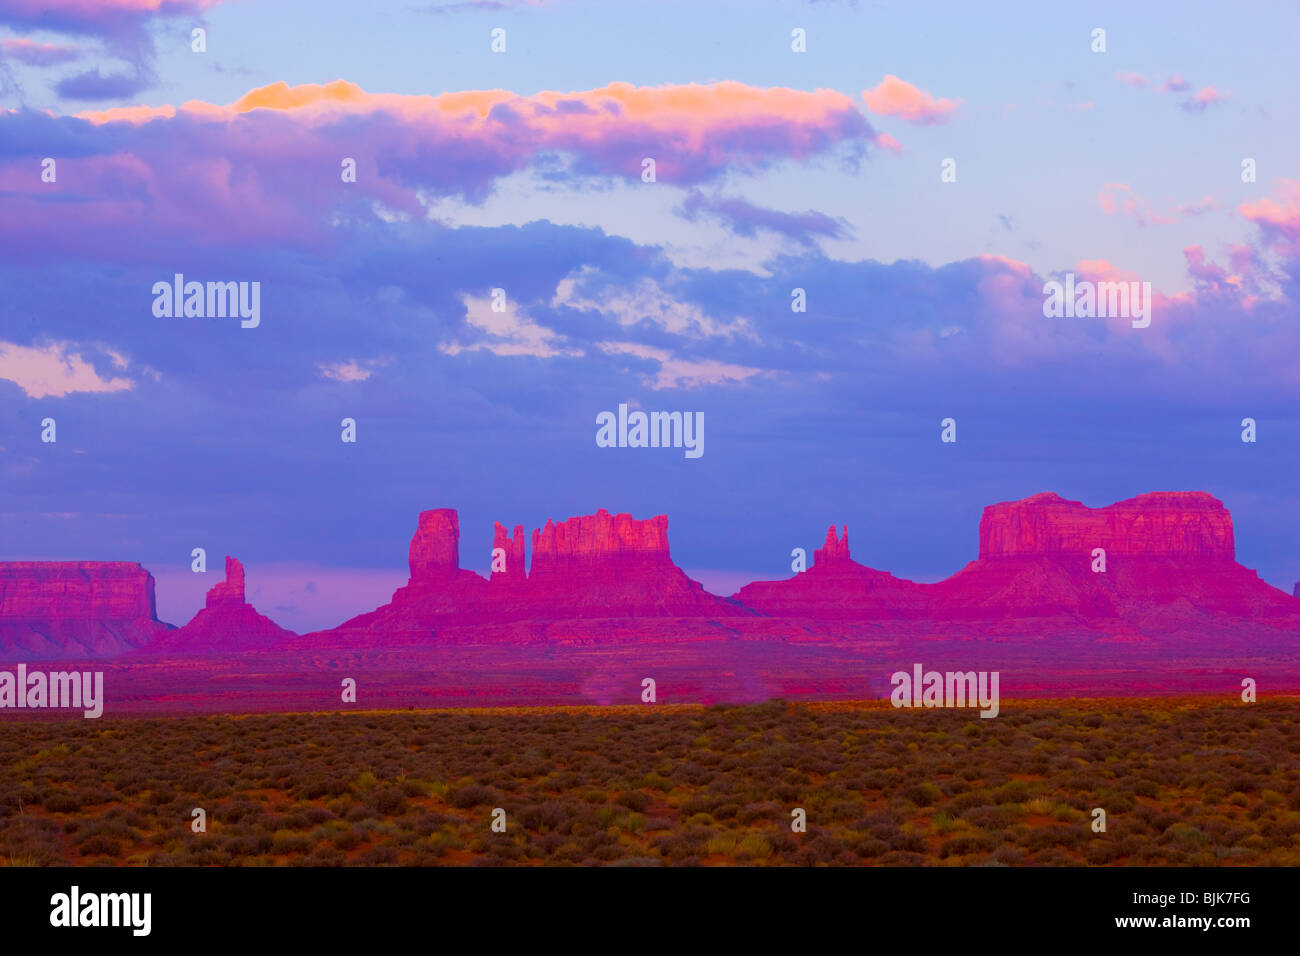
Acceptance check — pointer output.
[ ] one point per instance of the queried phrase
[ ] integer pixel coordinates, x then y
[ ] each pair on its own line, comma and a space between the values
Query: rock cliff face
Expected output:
434, 554
227, 622
600, 538
1188, 525
439, 591
1169, 563
231, 590
593, 566
605, 565
604, 578
834, 551
1168, 554
65, 609
515, 574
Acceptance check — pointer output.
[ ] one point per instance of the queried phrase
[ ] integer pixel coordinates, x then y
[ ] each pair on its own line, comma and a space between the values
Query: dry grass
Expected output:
1182, 782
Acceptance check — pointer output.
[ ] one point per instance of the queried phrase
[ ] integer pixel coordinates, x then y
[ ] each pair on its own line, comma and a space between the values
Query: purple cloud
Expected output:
747, 219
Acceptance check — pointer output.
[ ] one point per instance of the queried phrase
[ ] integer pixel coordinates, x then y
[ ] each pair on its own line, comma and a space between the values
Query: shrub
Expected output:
472, 795
100, 846
634, 800
923, 794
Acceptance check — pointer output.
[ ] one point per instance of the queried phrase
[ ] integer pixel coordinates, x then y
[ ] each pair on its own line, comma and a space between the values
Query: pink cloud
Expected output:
690, 130
1021, 269
1197, 207
885, 141
1175, 84
895, 97
1280, 218
268, 165
1205, 96
1118, 198
36, 54
1207, 274
1135, 80
56, 369
92, 16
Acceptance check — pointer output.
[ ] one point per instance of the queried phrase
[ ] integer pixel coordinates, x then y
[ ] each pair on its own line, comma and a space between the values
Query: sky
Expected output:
522, 170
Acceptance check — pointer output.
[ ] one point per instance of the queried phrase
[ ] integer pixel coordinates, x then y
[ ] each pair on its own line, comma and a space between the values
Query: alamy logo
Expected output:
103, 909
651, 430
212, 300
1098, 300
951, 689
60, 689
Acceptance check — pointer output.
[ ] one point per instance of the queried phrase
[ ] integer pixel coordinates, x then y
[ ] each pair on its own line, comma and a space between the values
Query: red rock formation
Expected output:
435, 549
63, 609
439, 591
835, 588
231, 590
515, 574
594, 566
832, 550
605, 565
1169, 524
599, 536
1169, 563
1168, 555
226, 623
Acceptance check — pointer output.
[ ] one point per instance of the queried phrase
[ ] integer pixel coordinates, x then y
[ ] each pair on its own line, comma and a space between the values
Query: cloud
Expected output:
507, 333
261, 167
641, 302
885, 141
1278, 218
1207, 275
36, 54
1197, 207
56, 370
93, 17
1205, 97
746, 219
895, 97
675, 372
95, 85
351, 370
1117, 198
121, 25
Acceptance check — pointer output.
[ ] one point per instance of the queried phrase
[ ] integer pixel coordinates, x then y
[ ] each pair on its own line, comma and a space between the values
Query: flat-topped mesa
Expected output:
53, 590
1180, 525
435, 548
515, 573
605, 565
231, 590
833, 551
599, 540
53, 609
